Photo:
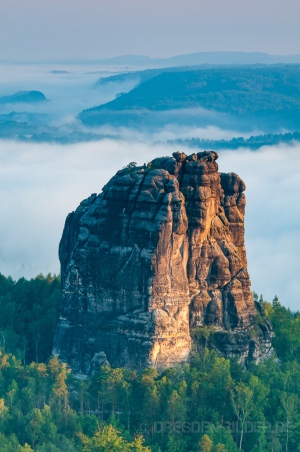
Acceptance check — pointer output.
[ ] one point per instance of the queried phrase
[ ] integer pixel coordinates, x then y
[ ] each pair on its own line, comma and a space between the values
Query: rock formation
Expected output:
156, 256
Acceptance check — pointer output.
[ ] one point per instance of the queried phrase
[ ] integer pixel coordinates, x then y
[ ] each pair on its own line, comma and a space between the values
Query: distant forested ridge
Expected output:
202, 58
264, 94
253, 143
208, 405
223, 89
26, 97
17, 126
245, 99
139, 76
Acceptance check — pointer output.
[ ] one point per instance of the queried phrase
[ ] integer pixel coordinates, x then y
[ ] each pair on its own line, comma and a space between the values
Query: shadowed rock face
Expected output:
157, 254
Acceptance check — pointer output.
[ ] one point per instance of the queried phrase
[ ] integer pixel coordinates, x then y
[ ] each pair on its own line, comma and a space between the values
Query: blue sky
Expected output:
49, 29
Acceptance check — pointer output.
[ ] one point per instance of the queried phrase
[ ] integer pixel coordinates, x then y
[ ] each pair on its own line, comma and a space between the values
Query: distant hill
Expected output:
139, 76
253, 143
203, 58
59, 72
26, 97
261, 94
18, 126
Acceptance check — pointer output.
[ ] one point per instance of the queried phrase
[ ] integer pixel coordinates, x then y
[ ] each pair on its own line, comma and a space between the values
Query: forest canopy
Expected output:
210, 404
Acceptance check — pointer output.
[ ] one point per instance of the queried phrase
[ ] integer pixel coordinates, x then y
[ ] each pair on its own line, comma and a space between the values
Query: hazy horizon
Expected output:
74, 60
35, 30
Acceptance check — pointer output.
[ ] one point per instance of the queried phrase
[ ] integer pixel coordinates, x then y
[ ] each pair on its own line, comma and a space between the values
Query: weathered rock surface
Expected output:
159, 253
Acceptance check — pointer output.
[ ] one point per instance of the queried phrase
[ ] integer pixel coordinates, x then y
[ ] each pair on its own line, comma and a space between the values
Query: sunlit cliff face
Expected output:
41, 183
158, 253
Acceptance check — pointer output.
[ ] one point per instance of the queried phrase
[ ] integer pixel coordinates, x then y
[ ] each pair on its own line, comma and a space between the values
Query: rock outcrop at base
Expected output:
157, 255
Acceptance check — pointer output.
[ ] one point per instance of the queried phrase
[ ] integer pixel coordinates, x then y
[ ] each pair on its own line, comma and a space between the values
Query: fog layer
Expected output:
41, 184
69, 89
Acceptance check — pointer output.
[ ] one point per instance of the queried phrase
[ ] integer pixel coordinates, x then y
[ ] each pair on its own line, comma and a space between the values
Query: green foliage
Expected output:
205, 444
129, 168
108, 439
29, 314
131, 165
205, 405
286, 326
210, 404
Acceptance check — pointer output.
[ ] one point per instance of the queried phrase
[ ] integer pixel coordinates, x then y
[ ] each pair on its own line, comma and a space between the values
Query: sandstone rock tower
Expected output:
159, 253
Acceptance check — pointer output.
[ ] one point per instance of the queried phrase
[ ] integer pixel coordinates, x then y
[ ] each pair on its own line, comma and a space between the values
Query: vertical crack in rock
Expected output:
159, 253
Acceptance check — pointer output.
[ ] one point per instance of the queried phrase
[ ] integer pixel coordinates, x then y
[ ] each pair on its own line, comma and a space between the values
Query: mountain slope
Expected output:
260, 93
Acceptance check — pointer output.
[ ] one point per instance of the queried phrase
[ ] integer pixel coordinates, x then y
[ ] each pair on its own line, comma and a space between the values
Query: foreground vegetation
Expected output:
209, 405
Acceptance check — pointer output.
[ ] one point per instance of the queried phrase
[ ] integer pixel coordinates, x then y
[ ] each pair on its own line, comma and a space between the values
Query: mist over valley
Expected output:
41, 183
150, 238
92, 102
97, 117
